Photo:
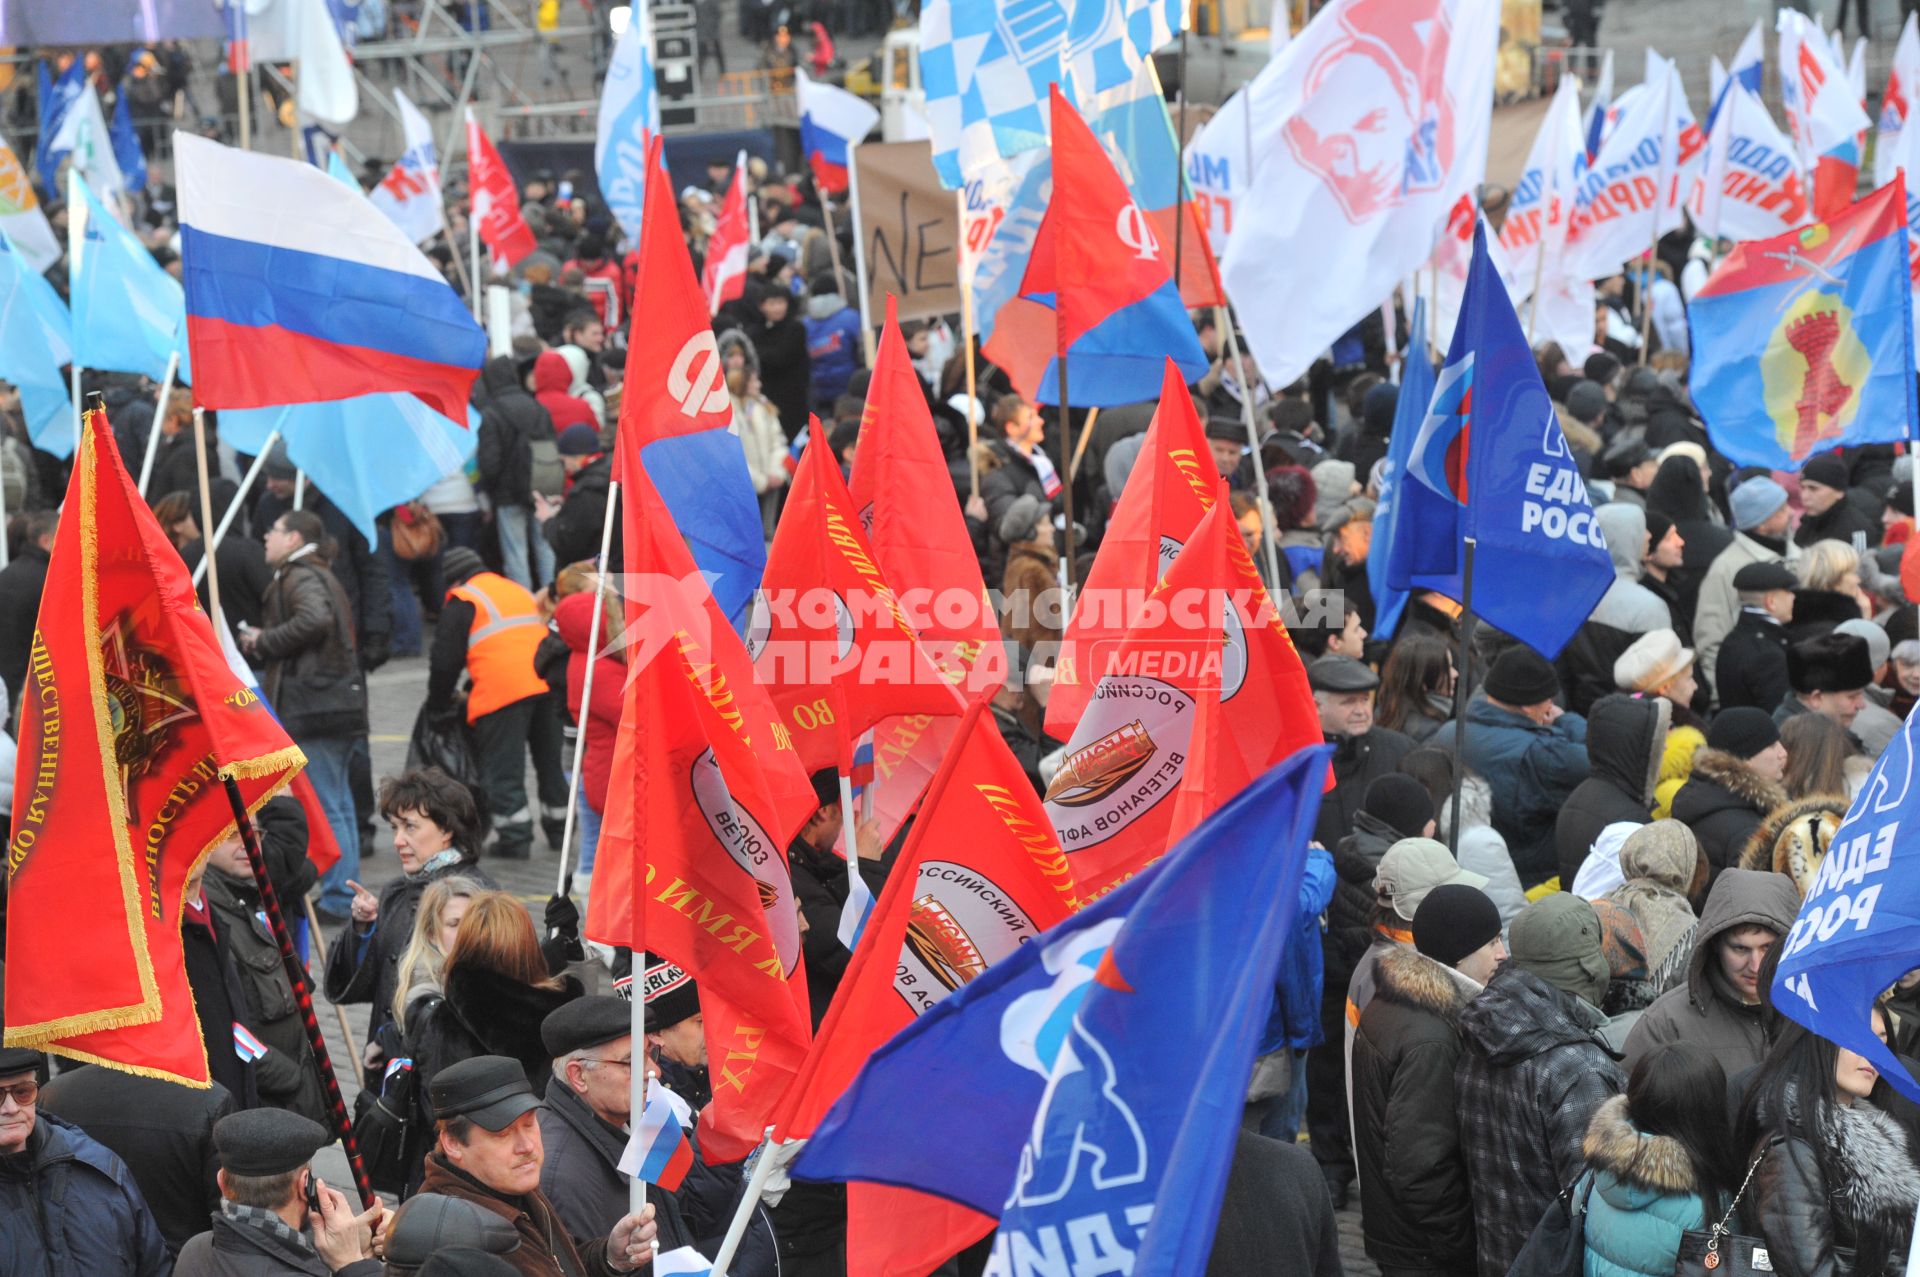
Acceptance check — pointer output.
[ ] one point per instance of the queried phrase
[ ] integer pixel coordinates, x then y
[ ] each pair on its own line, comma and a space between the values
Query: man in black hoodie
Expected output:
1625, 739
511, 422
1829, 512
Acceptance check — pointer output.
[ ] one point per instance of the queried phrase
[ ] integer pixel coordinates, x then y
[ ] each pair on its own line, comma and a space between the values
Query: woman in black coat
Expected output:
780, 340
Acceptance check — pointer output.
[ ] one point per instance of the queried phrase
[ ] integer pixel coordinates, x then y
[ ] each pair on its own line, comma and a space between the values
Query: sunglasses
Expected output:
23, 1093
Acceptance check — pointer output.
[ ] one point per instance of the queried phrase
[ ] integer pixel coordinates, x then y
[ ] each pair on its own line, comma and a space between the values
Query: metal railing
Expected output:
733, 100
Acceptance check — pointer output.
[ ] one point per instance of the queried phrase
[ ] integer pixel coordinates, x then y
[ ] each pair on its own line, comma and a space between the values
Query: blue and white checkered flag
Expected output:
986, 65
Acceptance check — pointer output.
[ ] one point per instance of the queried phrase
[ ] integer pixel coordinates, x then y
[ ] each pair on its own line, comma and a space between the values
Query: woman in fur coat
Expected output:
1835, 1190
1658, 1157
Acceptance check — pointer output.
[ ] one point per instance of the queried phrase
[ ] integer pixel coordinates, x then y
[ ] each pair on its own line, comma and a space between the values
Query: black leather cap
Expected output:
491, 1090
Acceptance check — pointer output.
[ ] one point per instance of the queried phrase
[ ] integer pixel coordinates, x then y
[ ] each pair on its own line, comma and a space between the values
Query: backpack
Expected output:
546, 473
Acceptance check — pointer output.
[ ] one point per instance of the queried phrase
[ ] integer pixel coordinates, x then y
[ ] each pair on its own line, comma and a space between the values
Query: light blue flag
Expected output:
127, 151
32, 351
129, 315
1416, 392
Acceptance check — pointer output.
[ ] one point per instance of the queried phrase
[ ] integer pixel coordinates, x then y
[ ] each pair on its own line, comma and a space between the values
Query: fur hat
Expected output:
1655, 658
1829, 663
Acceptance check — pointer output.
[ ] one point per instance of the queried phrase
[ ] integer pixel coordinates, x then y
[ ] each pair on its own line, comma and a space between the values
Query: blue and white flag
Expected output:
410, 192
629, 116
127, 151
1491, 447
35, 340
986, 65
129, 315
1416, 392
1086, 1089
56, 102
1859, 925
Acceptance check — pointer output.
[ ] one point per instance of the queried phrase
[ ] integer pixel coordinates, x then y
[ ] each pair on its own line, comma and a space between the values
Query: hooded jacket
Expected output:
1676, 493
510, 420
1724, 804
1626, 611
833, 346
572, 620
1705, 1010
1848, 1212
552, 389
1658, 874
69, 1208
574, 530
1414, 1198
1794, 837
1532, 1070
1644, 1197
1625, 737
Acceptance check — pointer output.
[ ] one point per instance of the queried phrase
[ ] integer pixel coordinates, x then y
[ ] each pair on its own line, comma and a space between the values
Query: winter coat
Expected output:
1532, 1070
1294, 1023
766, 447
1625, 736
259, 1244
578, 1175
545, 1249
1724, 804
572, 620
1644, 1196
1794, 838
1676, 493
1482, 850
1705, 1011
1626, 611
1839, 523
1357, 761
1414, 1200
833, 346
820, 889
307, 643
486, 1013
574, 530
1006, 475
1753, 663
1854, 1214
288, 1076
367, 968
1686, 737
785, 371
1719, 605
362, 573
510, 420
1349, 930
552, 387
161, 1131
1657, 877
69, 1208
1275, 1205
1531, 769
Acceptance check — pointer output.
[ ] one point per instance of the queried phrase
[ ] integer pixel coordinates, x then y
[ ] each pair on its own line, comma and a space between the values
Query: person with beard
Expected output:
1761, 519
1829, 511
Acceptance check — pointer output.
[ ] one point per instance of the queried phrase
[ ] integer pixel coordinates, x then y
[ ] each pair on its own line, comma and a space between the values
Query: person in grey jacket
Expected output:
1626, 611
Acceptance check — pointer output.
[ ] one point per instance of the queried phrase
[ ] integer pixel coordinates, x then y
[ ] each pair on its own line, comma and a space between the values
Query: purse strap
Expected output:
1720, 1229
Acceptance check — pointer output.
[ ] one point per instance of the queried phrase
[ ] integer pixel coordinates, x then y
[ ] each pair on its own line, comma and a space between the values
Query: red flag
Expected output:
706, 789
980, 875
827, 634
674, 384
725, 276
1173, 485
1208, 630
907, 504
129, 721
1199, 274
494, 201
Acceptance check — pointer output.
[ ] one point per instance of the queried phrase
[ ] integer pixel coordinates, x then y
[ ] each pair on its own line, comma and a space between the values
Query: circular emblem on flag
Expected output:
1127, 757
960, 924
1813, 370
755, 854
1169, 551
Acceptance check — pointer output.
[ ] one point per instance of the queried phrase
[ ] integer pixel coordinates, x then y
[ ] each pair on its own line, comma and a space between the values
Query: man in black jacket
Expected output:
511, 422
1752, 667
1343, 690
820, 887
1016, 465
1829, 512
573, 526
21, 584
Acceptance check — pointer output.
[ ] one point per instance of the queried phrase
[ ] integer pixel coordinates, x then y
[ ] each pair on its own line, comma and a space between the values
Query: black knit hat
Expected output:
1827, 469
1454, 921
1743, 732
1400, 802
1829, 663
1658, 525
1521, 676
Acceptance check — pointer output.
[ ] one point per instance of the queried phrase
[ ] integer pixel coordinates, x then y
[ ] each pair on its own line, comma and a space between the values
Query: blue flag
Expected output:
1490, 448
1804, 342
127, 152
32, 351
129, 315
1859, 926
1086, 1090
1389, 563
56, 99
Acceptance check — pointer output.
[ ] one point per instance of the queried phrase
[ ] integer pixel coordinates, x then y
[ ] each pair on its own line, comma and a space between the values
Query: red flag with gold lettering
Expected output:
980, 875
706, 794
128, 722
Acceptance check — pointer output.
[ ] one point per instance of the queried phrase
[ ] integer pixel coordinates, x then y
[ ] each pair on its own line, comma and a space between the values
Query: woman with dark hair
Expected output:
1416, 686
1836, 1185
1817, 754
436, 834
1660, 1157
1293, 494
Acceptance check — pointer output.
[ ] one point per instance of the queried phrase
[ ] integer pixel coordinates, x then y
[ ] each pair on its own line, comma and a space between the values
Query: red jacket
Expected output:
571, 620
551, 379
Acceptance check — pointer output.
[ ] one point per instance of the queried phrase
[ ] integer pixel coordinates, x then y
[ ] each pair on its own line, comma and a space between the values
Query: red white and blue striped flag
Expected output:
234, 14
658, 1152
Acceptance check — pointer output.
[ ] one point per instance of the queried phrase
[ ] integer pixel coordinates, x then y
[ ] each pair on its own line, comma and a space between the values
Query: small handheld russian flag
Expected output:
658, 1151
245, 1045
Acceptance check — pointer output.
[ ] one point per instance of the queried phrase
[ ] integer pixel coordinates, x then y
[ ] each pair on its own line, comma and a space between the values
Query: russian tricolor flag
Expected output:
832, 122
658, 1151
300, 291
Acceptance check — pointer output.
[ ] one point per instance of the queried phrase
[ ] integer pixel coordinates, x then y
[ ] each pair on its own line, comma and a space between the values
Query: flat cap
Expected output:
1757, 578
19, 1059
431, 1222
491, 1090
264, 1142
1341, 674
586, 1022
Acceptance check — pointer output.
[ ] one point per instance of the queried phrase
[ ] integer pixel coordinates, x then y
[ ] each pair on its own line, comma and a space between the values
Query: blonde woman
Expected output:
442, 906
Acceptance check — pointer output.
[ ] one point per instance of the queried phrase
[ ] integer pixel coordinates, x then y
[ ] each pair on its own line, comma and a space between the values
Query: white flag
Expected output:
1751, 187
410, 192
1641, 178
1903, 80
1361, 128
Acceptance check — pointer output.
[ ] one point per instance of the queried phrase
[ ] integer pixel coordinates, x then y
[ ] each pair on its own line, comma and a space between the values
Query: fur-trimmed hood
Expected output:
1793, 839
1738, 778
1878, 1183
1614, 1144
1410, 978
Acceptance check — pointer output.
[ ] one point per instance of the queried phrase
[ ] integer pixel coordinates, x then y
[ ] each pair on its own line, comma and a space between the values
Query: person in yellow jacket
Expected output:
489, 628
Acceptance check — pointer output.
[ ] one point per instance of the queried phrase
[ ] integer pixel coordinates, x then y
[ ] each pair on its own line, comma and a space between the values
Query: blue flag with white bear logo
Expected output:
1086, 1090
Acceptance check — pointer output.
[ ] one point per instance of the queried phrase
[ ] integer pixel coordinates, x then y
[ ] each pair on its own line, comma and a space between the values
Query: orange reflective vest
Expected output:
506, 631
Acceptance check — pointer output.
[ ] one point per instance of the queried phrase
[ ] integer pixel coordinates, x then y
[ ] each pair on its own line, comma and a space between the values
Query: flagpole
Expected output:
75, 391
4, 558
1270, 554
159, 419
966, 336
297, 975
743, 1214
212, 540
637, 1028
586, 685
1539, 274
850, 828
860, 250
833, 242
206, 510
1180, 163
1066, 477
299, 489
473, 239
1463, 689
